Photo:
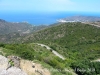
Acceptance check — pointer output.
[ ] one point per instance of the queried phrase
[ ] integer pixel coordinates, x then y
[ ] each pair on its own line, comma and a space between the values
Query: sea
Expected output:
41, 18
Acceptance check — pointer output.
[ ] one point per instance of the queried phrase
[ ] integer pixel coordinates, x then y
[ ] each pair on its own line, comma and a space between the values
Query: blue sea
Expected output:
41, 18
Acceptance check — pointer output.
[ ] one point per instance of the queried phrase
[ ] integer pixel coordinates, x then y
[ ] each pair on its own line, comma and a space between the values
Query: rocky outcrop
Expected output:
3, 62
13, 70
20, 67
15, 60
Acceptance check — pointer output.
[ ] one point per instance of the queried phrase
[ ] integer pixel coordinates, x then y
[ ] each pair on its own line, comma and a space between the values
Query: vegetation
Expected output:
78, 42
73, 40
34, 52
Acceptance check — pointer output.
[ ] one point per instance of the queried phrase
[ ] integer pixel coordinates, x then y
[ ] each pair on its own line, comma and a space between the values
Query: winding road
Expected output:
53, 51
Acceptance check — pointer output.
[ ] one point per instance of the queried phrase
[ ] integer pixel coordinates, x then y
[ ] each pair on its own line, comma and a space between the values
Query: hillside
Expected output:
80, 19
66, 48
68, 36
35, 60
11, 32
19, 27
78, 42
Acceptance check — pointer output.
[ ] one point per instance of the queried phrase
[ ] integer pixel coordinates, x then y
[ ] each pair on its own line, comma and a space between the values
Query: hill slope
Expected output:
50, 64
70, 37
20, 27
78, 42
10, 32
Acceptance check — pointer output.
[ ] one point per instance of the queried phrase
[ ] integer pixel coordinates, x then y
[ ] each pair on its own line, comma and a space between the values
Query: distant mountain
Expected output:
10, 32
80, 19
20, 27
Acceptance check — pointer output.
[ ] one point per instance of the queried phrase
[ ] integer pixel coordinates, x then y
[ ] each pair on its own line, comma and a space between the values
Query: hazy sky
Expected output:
49, 5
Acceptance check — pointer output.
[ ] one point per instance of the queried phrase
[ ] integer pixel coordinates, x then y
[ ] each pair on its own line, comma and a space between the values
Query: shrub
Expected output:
27, 55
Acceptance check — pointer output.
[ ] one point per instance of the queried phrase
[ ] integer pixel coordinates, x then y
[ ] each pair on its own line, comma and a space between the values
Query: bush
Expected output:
52, 47
2, 45
27, 55
86, 67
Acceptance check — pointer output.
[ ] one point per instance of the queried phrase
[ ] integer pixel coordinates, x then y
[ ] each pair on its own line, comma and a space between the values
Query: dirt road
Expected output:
53, 51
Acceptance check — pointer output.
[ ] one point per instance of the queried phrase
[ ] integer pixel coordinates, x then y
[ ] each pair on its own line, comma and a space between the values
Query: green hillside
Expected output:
38, 54
70, 38
78, 42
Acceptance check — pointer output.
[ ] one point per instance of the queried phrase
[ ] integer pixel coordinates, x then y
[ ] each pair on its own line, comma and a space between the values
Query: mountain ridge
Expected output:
19, 27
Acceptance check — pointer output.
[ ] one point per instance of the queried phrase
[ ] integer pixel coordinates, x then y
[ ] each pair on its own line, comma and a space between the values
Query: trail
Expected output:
53, 51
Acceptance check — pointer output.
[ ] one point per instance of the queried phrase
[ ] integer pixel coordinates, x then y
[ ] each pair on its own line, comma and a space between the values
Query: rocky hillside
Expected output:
25, 67
4, 70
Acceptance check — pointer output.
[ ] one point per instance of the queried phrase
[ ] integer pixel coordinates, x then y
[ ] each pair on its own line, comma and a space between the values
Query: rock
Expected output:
3, 62
4, 70
16, 60
13, 71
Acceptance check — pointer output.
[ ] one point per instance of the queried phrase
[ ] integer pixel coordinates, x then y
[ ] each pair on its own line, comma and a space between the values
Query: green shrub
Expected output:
27, 55
2, 45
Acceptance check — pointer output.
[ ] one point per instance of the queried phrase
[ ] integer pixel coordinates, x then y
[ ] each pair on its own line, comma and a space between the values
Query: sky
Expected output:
49, 5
